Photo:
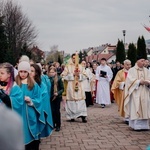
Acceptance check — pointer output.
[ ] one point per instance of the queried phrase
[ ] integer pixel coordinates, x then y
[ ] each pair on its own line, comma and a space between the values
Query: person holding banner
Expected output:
74, 73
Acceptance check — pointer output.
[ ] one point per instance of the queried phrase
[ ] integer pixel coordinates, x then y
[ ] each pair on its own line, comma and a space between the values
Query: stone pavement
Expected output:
104, 130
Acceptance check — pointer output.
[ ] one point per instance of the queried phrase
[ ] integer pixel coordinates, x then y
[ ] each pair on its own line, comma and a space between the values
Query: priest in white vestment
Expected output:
137, 96
75, 94
104, 75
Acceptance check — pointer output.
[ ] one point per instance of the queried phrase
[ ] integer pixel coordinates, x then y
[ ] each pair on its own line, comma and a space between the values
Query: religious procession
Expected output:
36, 93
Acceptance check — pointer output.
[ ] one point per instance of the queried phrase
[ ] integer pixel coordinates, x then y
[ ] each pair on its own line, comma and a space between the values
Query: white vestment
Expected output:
75, 109
137, 98
103, 85
75, 100
87, 82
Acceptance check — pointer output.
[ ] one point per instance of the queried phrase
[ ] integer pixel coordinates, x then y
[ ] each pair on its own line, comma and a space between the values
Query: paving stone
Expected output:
104, 130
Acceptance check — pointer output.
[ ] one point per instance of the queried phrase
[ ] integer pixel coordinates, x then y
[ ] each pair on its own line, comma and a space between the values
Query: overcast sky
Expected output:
77, 24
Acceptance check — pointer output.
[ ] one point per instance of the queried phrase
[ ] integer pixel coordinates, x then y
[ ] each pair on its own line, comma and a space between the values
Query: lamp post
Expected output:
124, 34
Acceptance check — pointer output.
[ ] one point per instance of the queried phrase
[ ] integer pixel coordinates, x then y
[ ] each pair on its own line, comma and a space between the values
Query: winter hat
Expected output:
24, 58
25, 66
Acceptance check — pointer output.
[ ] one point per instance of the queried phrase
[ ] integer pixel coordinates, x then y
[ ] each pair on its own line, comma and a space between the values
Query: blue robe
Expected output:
45, 79
48, 128
16, 97
33, 116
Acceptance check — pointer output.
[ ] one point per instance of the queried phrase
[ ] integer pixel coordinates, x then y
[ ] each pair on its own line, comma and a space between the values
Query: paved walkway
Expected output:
104, 130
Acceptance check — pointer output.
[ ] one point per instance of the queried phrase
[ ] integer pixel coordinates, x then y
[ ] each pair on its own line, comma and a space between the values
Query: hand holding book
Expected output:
103, 74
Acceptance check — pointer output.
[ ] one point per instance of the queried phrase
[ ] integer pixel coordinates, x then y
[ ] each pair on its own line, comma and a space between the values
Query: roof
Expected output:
99, 57
35, 49
88, 49
99, 48
107, 56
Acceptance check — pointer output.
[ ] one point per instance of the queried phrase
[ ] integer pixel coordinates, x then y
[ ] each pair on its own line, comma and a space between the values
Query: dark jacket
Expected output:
115, 70
60, 87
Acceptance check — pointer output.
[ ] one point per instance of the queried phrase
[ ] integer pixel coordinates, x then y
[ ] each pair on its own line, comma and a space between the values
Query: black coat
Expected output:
60, 87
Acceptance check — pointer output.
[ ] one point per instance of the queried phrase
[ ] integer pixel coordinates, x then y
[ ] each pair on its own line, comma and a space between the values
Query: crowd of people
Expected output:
35, 93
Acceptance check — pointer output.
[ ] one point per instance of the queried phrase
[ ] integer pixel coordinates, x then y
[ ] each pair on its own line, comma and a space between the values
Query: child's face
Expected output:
52, 73
23, 74
32, 74
4, 75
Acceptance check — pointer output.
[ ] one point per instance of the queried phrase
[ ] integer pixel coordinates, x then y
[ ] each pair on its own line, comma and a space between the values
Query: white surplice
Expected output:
87, 81
103, 85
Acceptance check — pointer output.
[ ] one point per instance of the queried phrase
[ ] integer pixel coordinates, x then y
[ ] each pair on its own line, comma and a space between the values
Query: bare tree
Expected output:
19, 29
55, 55
54, 48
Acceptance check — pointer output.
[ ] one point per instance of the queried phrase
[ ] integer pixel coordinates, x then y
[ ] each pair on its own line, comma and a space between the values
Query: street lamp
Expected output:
124, 34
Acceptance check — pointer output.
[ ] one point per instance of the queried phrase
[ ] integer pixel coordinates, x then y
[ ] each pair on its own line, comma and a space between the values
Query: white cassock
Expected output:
103, 85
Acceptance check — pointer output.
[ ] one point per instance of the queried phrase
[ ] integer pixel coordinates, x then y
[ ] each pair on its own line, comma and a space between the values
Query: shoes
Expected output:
83, 119
126, 122
72, 120
103, 105
57, 129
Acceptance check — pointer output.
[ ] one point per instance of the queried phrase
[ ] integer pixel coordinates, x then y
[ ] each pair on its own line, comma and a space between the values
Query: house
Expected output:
38, 51
104, 51
89, 51
99, 49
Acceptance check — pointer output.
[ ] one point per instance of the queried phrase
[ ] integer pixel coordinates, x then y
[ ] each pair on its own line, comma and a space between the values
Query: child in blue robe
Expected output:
10, 93
33, 116
45, 79
36, 75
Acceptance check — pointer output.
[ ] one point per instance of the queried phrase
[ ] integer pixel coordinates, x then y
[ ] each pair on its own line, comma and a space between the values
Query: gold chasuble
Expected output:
118, 90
